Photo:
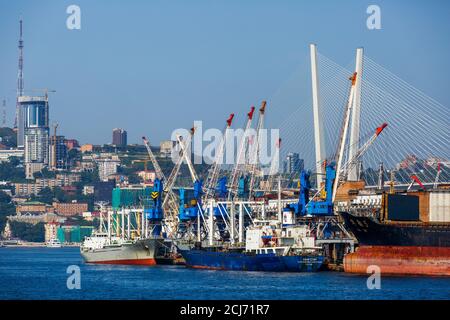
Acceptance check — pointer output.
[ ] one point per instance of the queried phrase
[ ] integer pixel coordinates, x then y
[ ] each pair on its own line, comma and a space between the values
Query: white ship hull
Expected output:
141, 252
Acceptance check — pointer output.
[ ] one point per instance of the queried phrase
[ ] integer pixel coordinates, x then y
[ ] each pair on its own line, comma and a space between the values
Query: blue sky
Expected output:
152, 66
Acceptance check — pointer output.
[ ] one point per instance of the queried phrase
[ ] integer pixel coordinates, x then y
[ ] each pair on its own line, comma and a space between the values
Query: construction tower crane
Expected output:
254, 152
240, 160
213, 176
53, 160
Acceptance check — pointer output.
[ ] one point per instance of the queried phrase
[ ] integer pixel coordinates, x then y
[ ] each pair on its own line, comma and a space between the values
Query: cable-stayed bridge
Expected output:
416, 141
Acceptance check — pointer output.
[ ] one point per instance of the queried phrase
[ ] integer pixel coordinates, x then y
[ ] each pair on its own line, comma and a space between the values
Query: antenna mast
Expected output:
20, 87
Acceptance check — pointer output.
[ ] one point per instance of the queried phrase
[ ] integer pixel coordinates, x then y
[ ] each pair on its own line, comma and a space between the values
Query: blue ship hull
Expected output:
241, 261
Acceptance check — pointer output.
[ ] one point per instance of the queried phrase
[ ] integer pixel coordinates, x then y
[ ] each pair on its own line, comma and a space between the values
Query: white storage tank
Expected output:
439, 206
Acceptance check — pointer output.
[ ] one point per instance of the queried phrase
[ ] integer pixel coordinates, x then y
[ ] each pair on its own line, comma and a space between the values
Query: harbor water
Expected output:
41, 273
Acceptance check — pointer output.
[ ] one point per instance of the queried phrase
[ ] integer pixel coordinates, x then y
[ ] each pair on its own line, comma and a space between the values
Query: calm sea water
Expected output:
40, 273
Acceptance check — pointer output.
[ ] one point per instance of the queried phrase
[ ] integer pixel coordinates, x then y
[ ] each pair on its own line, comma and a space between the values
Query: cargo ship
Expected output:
102, 249
398, 240
290, 249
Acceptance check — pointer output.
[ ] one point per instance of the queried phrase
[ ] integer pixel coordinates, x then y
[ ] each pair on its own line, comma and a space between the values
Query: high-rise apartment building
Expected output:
36, 133
58, 153
293, 163
119, 137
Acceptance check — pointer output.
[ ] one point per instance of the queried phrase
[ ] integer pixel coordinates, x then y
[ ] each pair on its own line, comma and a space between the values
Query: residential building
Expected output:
107, 167
87, 190
33, 207
119, 137
70, 209
87, 148
166, 147
50, 231
58, 153
71, 144
29, 188
293, 164
36, 133
7, 153
147, 176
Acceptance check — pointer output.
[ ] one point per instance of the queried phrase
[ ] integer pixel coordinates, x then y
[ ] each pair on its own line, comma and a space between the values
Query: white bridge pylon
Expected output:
354, 125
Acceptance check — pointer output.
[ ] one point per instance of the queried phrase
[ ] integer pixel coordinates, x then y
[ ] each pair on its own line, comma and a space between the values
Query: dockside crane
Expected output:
254, 151
171, 208
240, 160
344, 133
176, 169
213, 176
351, 163
438, 173
415, 179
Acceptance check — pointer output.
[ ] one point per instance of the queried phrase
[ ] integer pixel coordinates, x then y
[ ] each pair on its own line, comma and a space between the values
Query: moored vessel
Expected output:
267, 248
397, 241
53, 243
112, 250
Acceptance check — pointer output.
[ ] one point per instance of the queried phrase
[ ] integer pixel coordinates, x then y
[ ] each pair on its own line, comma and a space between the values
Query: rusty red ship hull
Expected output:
432, 261
398, 248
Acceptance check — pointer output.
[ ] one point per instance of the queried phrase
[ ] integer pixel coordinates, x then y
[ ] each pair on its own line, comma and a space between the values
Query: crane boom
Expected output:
176, 169
240, 161
352, 162
254, 155
343, 137
170, 206
192, 171
213, 176
438, 173
159, 173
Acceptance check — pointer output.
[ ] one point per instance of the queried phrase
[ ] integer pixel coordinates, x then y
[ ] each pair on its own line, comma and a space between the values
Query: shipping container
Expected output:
440, 206
399, 207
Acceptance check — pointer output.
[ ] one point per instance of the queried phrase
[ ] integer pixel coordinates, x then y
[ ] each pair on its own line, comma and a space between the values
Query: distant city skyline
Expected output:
152, 67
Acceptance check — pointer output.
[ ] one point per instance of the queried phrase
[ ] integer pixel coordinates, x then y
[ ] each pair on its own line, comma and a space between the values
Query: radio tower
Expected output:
19, 76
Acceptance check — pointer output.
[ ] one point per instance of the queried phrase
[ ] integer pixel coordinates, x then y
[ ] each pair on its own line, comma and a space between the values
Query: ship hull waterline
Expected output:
398, 248
232, 261
141, 252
